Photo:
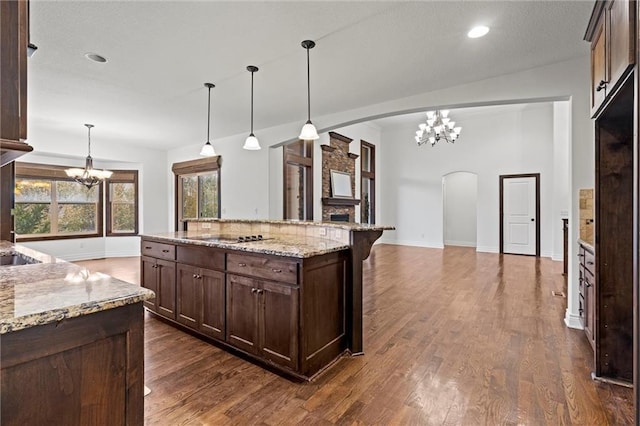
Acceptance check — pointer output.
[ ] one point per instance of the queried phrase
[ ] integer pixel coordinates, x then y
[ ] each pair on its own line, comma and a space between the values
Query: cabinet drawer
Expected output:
263, 267
158, 250
589, 262
204, 257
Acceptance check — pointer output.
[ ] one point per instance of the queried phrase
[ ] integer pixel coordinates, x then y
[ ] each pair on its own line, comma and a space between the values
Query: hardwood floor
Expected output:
452, 337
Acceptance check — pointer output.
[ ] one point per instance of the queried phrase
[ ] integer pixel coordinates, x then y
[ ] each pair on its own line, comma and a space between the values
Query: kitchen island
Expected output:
286, 294
71, 343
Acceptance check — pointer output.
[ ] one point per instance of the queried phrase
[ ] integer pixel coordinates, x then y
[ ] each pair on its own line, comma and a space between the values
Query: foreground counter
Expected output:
287, 294
71, 343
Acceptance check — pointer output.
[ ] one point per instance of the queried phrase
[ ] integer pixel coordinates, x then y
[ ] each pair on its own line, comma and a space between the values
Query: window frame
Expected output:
371, 175
306, 161
194, 168
53, 173
121, 176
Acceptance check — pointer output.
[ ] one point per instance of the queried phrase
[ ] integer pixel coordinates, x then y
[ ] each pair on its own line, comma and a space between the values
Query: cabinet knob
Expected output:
260, 291
147, 247
277, 271
242, 264
254, 290
580, 254
195, 276
165, 251
602, 85
586, 283
589, 263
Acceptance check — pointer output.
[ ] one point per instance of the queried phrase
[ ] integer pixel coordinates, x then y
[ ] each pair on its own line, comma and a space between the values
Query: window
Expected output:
197, 184
298, 180
49, 205
122, 203
368, 187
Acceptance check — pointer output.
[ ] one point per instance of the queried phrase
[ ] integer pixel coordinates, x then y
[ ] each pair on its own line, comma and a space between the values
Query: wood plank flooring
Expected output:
452, 337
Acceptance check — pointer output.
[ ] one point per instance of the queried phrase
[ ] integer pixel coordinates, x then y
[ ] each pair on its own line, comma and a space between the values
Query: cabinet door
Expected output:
149, 280
213, 303
621, 40
242, 313
188, 290
166, 295
599, 71
279, 323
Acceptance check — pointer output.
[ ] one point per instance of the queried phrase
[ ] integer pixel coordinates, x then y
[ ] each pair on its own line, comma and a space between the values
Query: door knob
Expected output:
533, 220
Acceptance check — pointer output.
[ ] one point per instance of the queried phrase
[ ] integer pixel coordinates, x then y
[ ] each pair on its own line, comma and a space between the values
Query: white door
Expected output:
519, 208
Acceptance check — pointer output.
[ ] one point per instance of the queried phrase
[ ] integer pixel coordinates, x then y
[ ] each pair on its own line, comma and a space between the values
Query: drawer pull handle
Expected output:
165, 251
242, 264
277, 271
580, 255
147, 247
589, 263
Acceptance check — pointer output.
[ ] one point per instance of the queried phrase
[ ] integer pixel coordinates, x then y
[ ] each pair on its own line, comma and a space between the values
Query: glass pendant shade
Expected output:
207, 149
88, 176
251, 143
309, 132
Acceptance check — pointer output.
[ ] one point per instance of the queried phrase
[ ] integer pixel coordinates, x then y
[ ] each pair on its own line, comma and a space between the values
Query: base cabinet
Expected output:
587, 287
200, 295
262, 319
160, 276
286, 312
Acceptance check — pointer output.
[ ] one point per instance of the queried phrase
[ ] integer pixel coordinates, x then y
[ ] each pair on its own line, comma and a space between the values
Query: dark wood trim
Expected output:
191, 167
352, 155
371, 175
199, 165
338, 136
306, 161
122, 176
593, 20
331, 201
327, 148
501, 211
10, 150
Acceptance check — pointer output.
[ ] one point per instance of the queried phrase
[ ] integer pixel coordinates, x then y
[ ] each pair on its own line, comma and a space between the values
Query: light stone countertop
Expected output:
350, 226
299, 246
50, 291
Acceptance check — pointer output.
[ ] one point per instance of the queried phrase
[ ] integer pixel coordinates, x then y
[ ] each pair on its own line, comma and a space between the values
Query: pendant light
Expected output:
309, 132
251, 143
207, 148
88, 176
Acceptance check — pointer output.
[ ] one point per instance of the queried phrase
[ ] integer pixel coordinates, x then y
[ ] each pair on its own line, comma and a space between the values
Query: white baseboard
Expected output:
460, 243
123, 253
415, 243
573, 321
72, 257
487, 249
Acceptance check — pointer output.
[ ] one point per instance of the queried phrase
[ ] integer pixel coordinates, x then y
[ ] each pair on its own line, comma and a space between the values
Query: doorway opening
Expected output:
460, 209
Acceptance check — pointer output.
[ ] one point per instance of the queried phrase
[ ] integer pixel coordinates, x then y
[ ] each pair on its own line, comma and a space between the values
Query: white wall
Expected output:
460, 197
494, 141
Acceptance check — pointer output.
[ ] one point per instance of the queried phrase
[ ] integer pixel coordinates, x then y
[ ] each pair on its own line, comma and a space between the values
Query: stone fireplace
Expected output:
336, 156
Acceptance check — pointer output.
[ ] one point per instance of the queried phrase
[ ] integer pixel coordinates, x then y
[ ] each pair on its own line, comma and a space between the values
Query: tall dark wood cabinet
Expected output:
14, 22
612, 32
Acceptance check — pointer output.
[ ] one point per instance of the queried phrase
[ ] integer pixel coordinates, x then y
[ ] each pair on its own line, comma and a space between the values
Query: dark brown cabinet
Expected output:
289, 313
200, 297
611, 32
262, 319
160, 276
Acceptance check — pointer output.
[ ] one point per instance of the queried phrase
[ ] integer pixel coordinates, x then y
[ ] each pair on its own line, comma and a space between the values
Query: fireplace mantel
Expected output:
336, 201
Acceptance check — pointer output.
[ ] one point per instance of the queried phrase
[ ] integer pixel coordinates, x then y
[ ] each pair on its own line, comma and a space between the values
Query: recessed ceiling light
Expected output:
95, 57
478, 31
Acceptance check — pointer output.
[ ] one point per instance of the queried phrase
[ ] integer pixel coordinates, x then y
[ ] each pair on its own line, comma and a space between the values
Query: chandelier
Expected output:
438, 127
88, 176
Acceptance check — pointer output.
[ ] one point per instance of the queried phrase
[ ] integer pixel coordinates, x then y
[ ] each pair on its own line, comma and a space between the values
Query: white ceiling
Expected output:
151, 93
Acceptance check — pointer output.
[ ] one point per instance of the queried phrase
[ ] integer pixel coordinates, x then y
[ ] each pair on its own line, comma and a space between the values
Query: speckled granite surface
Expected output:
342, 225
41, 293
300, 246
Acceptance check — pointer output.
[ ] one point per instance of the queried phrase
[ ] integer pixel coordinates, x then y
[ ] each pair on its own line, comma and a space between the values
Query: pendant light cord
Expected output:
89, 131
308, 88
209, 114
252, 102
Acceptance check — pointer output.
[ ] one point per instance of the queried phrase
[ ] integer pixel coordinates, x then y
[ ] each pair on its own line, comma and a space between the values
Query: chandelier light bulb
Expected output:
457, 130
422, 126
431, 114
251, 143
452, 124
444, 113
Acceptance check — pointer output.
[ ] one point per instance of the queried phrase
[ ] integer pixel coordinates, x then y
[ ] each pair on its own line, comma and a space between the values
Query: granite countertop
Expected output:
299, 246
52, 290
351, 226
